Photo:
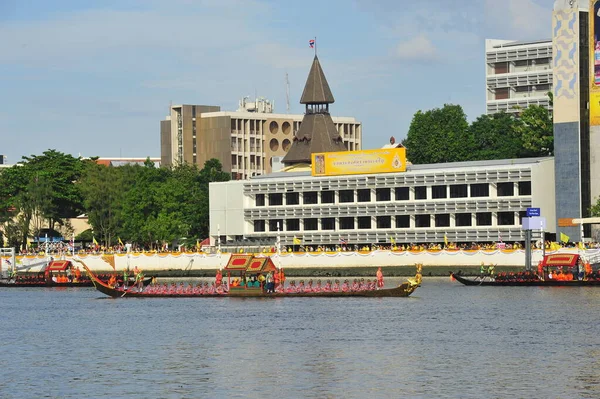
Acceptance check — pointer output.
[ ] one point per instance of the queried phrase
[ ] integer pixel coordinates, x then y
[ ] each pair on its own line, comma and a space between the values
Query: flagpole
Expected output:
315, 46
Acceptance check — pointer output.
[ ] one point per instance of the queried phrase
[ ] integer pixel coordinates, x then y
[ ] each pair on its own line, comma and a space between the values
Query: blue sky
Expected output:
96, 77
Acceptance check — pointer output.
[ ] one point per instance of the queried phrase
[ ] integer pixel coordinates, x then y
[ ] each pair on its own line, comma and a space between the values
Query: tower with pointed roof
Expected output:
317, 132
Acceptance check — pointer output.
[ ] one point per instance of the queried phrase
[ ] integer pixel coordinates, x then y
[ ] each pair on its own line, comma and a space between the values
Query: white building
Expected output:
463, 201
518, 74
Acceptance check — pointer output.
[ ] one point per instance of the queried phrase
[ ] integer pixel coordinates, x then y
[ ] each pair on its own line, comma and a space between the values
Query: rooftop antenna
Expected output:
287, 93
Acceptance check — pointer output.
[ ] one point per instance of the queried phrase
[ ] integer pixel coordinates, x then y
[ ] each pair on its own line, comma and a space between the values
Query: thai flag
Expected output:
7, 262
343, 241
311, 43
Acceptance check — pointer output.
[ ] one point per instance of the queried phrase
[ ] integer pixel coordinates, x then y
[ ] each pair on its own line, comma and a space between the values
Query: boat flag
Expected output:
564, 237
311, 43
343, 241
94, 240
120, 242
297, 241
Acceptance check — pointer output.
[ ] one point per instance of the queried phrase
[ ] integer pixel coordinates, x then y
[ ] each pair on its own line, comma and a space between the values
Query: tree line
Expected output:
140, 204
444, 135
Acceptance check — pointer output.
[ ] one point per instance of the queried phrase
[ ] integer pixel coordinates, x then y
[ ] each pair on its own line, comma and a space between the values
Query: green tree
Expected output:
439, 135
536, 132
59, 171
102, 191
494, 137
595, 209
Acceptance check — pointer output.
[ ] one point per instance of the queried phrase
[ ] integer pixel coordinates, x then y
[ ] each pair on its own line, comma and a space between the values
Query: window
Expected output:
328, 224
384, 222
346, 196
506, 218
273, 224
327, 197
483, 219
292, 198
505, 189
260, 200
525, 188
383, 194
364, 195
402, 222
463, 219
402, 193
275, 199
420, 193
438, 192
458, 191
292, 225
422, 221
364, 222
480, 190
347, 223
442, 220
310, 197
522, 214
311, 224
259, 226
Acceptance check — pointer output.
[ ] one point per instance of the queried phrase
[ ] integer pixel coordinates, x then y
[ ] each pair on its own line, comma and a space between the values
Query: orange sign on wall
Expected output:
566, 222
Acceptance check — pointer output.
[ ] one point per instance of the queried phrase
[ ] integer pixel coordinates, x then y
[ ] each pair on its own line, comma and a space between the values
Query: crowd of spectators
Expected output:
59, 248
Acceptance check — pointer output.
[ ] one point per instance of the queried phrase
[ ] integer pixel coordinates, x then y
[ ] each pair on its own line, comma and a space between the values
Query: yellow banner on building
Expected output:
385, 160
594, 46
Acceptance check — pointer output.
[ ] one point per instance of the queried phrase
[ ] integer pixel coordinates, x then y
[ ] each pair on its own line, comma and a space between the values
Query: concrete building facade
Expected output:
462, 202
518, 74
245, 142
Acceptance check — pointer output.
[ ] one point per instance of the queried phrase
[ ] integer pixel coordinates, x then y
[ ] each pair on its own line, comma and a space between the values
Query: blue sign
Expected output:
531, 212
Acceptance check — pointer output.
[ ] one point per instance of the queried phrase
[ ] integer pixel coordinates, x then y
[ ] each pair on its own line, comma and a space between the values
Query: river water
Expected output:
445, 341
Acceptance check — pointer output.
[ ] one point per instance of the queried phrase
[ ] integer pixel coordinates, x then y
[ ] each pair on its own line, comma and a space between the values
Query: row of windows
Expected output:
400, 194
385, 222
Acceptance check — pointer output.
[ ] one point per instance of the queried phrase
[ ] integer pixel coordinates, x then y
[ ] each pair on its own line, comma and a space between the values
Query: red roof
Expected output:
555, 260
238, 262
59, 265
250, 264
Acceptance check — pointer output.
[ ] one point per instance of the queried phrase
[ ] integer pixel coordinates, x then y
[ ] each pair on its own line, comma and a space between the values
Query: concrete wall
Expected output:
226, 208
566, 176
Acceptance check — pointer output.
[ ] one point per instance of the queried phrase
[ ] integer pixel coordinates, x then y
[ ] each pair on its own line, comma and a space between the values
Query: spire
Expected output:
316, 90
317, 132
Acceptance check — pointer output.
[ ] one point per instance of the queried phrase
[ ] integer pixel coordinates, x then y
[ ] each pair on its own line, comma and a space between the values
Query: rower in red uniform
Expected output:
345, 286
336, 286
379, 279
219, 278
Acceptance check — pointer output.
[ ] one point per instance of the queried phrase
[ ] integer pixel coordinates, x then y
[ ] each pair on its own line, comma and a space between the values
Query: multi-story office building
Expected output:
518, 74
463, 201
245, 141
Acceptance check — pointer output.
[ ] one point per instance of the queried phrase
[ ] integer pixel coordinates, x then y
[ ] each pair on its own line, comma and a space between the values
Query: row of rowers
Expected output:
213, 288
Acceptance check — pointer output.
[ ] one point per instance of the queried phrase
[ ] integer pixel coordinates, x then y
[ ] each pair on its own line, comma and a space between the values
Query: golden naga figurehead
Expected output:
418, 278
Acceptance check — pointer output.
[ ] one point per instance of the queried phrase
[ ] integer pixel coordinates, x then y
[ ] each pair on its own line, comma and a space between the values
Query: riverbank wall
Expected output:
395, 263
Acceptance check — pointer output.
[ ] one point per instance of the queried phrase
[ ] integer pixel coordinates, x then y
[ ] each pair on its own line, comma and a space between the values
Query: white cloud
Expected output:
418, 48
